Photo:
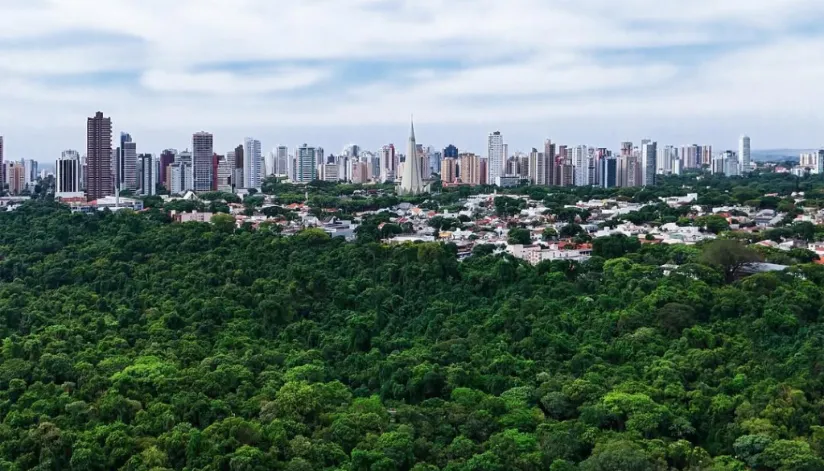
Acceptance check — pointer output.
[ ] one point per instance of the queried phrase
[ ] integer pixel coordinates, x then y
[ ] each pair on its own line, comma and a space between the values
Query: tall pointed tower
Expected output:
411, 182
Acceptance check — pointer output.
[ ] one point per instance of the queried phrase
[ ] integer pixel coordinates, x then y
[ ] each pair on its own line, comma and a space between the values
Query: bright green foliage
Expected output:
506, 206
133, 344
519, 236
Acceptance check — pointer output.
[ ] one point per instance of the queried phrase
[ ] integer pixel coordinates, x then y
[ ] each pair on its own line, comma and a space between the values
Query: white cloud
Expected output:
220, 83
528, 64
56, 60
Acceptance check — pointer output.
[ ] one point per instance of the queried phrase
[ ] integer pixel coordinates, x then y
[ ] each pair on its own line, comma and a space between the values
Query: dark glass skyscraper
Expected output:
609, 172
166, 159
99, 156
450, 152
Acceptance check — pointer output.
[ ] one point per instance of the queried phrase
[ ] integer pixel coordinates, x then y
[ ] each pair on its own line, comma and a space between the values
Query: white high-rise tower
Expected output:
411, 181
497, 157
251, 164
581, 165
744, 155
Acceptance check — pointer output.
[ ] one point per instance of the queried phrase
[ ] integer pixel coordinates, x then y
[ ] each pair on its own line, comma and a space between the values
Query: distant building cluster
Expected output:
17, 176
109, 167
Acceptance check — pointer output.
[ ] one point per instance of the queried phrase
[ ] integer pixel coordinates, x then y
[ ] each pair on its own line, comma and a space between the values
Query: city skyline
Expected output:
609, 71
202, 169
267, 148
222, 144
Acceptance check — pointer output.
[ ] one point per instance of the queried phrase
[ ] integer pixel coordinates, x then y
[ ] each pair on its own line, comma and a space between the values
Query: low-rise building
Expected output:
193, 216
535, 254
112, 203
340, 228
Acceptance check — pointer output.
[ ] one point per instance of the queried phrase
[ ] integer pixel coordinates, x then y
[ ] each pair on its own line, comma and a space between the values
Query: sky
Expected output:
335, 72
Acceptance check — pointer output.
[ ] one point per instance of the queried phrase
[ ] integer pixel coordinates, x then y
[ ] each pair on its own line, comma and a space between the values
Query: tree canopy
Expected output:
133, 343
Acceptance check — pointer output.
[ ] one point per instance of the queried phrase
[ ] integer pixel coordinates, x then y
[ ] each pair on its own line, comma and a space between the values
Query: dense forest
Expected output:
131, 343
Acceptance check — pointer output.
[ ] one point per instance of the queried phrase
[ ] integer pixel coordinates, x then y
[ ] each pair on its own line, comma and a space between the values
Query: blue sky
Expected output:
334, 72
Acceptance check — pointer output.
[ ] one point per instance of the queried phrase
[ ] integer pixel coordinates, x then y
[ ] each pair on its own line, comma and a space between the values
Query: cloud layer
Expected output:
336, 71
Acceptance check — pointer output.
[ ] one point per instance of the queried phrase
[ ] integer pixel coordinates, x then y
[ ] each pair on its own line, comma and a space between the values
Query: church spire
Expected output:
412, 133
413, 169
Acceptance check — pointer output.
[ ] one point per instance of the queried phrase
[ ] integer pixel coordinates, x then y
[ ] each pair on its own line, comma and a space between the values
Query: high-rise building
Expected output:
726, 163
360, 172
666, 155
156, 172
2, 167
511, 166
251, 164
601, 153
202, 152
706, 155
635, 173
329, 172
185, 156
744, 153
549, 154
389, 163
180, 176
17, 177
412, 180
691, 156
449, 167
539, 165
230, 158
344, 164
374, 163
351, 150
566, 173
495, 156
579, 161
148, 177
609, 172
281, 160
268, 166
591, 172
649, 153
470, 170
819, 162
621, 171
126, 166
167, 157
626, 149
677, 166
99, 156
129, 150
84, 173
732, 167
629, 172
237, 179
225, 170
808, 160
523, 166
67, 174
450, 152
30, 167
307, 160
719, 163
434, 162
